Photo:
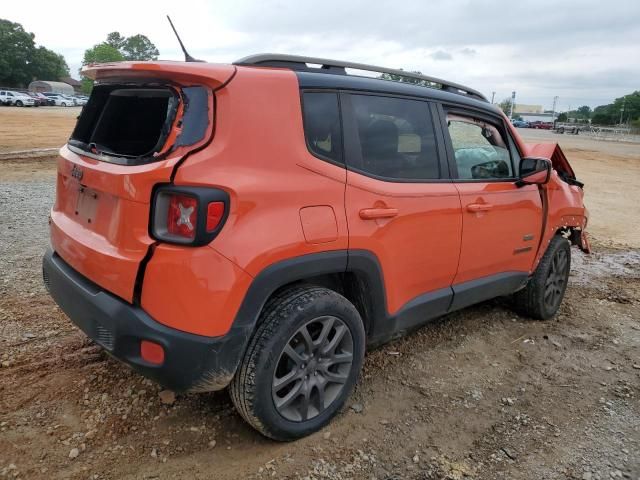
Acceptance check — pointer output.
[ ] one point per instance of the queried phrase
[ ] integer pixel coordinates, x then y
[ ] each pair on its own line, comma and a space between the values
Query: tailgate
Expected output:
99, 223
130, 137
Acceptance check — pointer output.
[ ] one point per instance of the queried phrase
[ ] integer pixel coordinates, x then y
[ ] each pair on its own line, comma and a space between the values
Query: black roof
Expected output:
366, 84
323, 73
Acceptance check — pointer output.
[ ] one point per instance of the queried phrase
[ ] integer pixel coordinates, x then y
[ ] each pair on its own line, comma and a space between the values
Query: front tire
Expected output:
19, 103
301, 364
542, 296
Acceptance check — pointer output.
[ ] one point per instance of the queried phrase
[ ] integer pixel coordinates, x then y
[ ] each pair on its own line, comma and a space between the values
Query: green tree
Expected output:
562, 117
584, 111
399, 78
139, 47
628, 106
601, 119
115, 40
16, 47
21, 61
505, 106
116, 49
48, 65
100, 53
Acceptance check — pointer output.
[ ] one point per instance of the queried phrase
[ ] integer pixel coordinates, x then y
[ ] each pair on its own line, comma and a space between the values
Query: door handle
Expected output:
479, 207
373, 213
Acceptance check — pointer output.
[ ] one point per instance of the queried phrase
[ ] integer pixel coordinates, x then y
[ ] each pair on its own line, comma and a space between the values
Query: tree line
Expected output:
625, 110
21, 61
117, 48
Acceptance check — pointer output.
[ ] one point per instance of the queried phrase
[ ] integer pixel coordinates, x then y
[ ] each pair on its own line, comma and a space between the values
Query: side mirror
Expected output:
534, 171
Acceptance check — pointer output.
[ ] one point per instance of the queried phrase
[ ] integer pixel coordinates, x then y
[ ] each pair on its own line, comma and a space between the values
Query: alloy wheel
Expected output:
312, 369
556, 280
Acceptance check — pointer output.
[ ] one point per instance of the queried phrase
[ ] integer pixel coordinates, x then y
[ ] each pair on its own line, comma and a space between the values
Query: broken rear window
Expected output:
130, 124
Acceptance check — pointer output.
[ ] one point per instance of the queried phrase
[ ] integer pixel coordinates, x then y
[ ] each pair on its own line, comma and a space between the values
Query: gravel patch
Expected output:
24, 235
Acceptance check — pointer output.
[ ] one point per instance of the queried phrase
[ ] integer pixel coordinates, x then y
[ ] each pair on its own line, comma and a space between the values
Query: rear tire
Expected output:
543, 294
301, 364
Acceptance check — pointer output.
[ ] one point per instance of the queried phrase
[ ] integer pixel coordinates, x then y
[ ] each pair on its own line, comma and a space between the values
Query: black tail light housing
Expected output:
186, 215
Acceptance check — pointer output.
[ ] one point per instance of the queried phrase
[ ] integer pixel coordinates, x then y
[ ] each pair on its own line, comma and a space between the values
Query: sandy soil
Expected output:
29, 127
481, 394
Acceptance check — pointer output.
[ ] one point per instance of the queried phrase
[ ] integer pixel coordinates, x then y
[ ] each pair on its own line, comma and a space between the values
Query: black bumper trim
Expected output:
192, 362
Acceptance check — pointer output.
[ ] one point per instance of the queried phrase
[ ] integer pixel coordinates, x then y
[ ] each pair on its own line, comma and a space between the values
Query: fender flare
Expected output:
381, 326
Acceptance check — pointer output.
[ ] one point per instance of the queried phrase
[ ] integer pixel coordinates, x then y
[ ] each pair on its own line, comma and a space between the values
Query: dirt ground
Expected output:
25, 128
480, 394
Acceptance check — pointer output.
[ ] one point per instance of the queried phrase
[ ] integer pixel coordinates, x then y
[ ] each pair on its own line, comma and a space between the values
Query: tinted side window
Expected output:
479, 148
396, 138
322, 127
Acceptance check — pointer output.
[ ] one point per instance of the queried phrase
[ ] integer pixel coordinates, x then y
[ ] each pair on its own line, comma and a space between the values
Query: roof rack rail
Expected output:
296, 62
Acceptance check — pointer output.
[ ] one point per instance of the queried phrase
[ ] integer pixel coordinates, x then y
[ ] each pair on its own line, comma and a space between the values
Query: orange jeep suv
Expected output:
259, 225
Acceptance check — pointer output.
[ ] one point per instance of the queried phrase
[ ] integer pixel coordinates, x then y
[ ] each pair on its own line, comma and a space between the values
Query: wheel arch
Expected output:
355, 274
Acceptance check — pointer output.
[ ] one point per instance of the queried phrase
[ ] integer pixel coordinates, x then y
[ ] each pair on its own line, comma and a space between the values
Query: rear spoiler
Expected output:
212, 74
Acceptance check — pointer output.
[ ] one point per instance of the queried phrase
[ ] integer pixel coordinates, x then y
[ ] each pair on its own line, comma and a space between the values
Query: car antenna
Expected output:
187, 57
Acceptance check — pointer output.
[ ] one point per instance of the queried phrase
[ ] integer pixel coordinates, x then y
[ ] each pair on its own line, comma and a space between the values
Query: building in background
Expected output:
76, 84
521, 108
532, 113
53, 87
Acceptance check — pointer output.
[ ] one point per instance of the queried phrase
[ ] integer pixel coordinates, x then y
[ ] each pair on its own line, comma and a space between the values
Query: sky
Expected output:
586, 52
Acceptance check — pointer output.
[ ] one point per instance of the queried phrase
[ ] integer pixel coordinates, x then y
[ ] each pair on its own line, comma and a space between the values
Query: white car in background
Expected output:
80, 100
19, 99
61, 100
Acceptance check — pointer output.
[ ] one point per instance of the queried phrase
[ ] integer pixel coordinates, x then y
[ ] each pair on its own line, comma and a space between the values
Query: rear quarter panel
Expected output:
259, 156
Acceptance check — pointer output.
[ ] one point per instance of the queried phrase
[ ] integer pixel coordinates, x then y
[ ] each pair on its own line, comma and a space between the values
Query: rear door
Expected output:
502, 222
400, 204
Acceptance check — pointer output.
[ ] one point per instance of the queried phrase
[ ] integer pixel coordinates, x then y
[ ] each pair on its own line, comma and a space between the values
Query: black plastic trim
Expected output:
481, 289
192, 362
382, 326
283, 273
317, 80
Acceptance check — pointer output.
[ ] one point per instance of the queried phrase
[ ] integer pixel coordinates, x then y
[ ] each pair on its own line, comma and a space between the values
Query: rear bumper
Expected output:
191, 362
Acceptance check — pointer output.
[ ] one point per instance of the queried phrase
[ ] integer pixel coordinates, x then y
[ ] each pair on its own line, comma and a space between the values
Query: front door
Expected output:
502, 222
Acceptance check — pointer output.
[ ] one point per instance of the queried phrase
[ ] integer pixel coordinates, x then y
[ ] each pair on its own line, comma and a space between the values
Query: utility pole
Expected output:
553, 114
624, 99
493, 97
513, 101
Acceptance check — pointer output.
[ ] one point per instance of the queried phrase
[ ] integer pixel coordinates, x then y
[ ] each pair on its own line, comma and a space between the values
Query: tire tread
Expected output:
530, 300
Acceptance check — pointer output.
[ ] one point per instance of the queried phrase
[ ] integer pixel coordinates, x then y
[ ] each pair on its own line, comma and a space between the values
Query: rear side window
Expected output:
322, 127
396, 138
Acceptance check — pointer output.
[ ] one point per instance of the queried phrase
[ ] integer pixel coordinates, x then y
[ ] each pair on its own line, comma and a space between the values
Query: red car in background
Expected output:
541, 125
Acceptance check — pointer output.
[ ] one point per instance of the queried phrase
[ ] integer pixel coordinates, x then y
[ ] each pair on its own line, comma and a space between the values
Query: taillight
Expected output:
215, 212
182, 216
188, 215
